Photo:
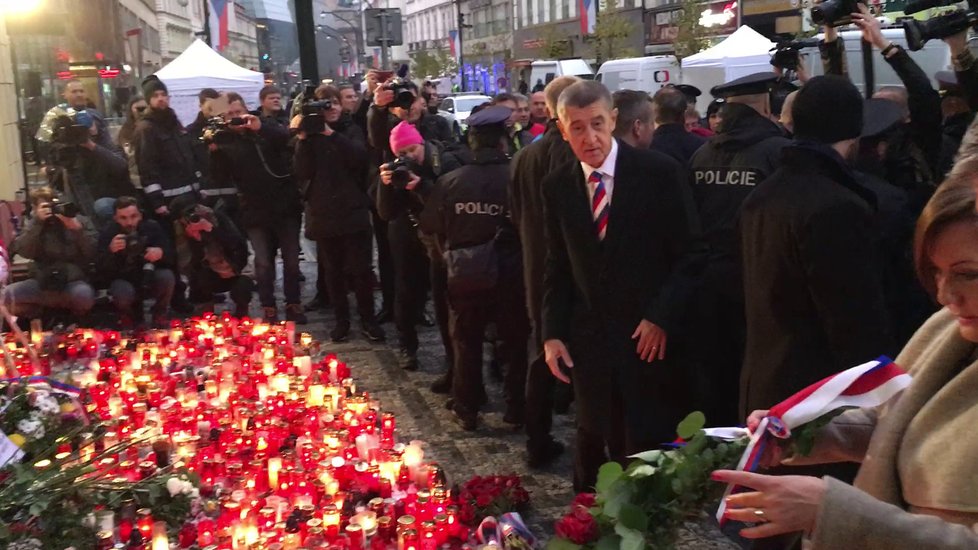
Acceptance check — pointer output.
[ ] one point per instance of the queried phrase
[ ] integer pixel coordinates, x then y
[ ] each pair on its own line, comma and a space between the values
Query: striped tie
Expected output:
600, 205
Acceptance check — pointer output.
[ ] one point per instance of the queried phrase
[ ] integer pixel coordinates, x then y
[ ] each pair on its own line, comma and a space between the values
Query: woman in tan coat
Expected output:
918, 483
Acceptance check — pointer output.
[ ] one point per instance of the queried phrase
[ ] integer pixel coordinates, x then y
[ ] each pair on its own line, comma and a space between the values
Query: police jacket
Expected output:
333, 170
675, 141
814, 306
255, 165
53, 246
728, 168
168, 164
129, 265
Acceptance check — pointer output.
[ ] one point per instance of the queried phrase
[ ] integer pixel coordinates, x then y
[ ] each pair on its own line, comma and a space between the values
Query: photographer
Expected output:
218, 253
913, 157
76, 100
62, 245
88, 174
400, 198
135, 257
331, 155
395, 101
252, 158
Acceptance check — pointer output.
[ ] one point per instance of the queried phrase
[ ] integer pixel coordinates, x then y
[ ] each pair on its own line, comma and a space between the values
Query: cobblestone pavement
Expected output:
421, 414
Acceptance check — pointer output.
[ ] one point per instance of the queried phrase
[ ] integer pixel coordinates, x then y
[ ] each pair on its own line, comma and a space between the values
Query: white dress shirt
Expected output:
607, 171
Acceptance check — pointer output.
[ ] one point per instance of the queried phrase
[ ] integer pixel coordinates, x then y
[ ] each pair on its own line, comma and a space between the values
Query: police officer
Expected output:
468, 210
723, 172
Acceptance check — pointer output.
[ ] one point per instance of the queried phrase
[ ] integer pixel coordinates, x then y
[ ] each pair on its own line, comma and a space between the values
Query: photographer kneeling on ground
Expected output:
135, 258
62, 244
218, 253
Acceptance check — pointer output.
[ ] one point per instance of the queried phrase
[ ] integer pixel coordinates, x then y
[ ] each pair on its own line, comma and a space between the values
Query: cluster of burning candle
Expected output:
288, 452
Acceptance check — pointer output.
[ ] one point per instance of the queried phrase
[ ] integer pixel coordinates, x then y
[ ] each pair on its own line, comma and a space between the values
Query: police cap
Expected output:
757, 83
497, 114
691, 92
879, 117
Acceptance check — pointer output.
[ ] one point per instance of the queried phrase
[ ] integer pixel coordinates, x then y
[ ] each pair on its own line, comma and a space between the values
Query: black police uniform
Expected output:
468, 211
723, 172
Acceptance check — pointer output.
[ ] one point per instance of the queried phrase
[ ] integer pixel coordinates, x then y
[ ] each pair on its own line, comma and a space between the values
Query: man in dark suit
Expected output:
670, 135
620, 232
530, 166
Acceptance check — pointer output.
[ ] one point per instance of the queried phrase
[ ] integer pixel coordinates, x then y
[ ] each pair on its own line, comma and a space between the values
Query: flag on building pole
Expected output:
453, 44
589, 15
219, 24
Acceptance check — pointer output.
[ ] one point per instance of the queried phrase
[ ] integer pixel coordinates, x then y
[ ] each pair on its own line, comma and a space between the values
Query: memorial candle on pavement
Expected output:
274, 467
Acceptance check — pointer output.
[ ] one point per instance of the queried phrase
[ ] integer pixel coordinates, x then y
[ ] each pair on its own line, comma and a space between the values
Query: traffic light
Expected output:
264, 57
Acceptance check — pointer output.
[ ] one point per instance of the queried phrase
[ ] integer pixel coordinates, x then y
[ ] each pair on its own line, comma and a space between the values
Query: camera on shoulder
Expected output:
785, 56
835, 13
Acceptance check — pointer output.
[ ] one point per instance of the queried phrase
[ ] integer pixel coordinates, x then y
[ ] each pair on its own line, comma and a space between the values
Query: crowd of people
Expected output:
656, 261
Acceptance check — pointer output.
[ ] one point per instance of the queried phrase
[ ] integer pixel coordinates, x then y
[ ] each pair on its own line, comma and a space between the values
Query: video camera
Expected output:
63, 208
313, 112
785, 55
941, 26
401, 172
403, 89
216, 129
71, 129
835, 13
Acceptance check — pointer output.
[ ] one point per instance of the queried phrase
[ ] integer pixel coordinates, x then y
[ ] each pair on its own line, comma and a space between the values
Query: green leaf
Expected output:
557, 543
652, 456
631, 539
4, 531
37, 509
609, 473
633, 517
619, 494
608, 542
643, 470
693, 423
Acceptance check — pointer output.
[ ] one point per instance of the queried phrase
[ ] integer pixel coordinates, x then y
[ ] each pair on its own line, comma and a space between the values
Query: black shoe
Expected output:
295, 313
495, 371
302, 277
372, 331
181, 305
408, 360
317, 304
385, 316
468, 422
544, 457
241, 310
450, 403
514, 417
341, 331
442, 385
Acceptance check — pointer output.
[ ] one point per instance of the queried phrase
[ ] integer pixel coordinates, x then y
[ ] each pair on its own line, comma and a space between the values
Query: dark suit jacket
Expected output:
596, 293
675, 141
530, 166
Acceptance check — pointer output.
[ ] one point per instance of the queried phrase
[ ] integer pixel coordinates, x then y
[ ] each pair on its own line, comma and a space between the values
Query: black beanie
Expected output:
151, 85
828, 109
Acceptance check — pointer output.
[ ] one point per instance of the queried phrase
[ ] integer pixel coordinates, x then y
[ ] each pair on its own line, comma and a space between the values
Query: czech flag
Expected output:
219, 24
589, 15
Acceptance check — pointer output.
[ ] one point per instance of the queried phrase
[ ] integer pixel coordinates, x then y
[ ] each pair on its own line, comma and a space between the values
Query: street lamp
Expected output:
357, 29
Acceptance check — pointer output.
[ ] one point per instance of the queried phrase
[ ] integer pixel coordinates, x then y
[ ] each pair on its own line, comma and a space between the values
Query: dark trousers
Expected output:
266, 240
347, 257
128, 297
438, 273
470, 315
204, 284
411, 280
385, 263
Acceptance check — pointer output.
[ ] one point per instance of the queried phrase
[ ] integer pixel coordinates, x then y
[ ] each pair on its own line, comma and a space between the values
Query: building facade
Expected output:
141, 34
11, 160
428, 30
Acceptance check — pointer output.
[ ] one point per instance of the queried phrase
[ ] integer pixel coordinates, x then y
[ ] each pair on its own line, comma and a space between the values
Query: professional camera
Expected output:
216, 129
64, 208
71, 129
313, 112
941, 26
401, 172
835, 13
785, 55
135, 250
403, 89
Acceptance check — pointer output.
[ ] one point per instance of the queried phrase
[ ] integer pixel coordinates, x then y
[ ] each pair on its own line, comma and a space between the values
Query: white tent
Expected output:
744, 52
200, 67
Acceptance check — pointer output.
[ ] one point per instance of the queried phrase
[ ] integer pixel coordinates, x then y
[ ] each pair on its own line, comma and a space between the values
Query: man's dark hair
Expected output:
124, 202
271, 89
207, 93
328, 91
345, 86
235, 96
504, 97
632, 105
42, 194
669, 106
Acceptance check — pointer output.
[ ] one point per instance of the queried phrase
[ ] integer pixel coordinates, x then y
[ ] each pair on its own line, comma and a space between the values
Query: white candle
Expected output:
316, 396
274, 465
303, 365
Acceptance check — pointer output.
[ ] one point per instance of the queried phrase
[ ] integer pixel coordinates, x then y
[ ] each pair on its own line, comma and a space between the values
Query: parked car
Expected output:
458, 107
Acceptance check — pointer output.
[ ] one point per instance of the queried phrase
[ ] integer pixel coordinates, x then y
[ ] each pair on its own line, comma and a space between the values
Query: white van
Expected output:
647, 74
545, 70
933, 57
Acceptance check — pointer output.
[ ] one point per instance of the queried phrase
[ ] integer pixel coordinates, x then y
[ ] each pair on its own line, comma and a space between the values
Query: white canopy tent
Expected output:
200, 67
744, 52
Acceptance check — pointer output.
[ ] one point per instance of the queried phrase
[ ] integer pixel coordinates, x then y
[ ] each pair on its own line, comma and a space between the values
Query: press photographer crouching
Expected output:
218, 253
251, 155
62, 245
88, 174
331, 156
135, 259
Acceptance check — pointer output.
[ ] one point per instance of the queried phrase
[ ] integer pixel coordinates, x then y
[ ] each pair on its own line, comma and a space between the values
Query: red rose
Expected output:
584, 499
483, 500
577, 528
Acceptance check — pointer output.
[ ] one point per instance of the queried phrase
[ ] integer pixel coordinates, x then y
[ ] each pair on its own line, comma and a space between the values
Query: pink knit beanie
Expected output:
404, 134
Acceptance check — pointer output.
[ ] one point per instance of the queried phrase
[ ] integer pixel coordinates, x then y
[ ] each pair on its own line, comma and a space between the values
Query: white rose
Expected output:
195, 494
174, 486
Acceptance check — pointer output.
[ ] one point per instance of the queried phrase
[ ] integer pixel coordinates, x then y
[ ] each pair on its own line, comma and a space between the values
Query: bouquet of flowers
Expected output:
482, 497
34, 416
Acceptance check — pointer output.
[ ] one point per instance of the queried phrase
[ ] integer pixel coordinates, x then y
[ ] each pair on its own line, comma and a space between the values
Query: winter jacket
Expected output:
110, 266
169, 165
53, 246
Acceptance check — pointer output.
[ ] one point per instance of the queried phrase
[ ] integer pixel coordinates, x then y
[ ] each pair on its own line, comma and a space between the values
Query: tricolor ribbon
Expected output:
39, 382
867, 385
